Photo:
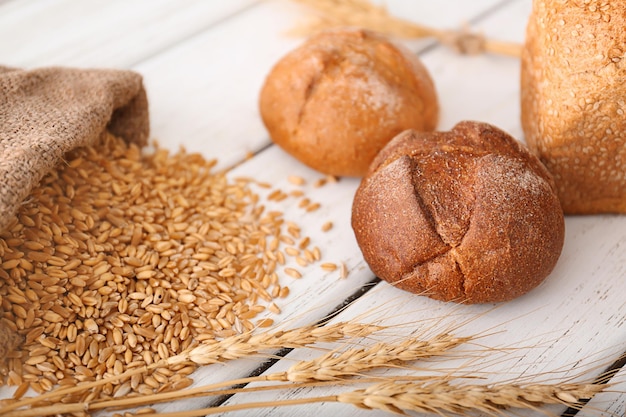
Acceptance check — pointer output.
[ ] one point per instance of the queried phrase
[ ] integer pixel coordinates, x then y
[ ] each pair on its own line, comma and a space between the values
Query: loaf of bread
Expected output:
573, 84
335, 101
468, 215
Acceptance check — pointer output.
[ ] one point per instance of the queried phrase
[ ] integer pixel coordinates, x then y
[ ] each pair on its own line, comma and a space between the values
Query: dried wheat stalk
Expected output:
234, 347
439, 398
249, 344
435, 394
362, 13
442, 397
332, 366
352, 362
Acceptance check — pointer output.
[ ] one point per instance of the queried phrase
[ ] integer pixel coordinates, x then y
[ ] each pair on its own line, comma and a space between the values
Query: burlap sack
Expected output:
47, 112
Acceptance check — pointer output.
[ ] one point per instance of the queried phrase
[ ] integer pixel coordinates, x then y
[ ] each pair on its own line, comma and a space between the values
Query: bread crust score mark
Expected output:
329, 63
467, 215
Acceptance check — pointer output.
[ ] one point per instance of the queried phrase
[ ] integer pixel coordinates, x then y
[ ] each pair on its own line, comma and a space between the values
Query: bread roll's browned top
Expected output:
574, 99
335, 101
467, 215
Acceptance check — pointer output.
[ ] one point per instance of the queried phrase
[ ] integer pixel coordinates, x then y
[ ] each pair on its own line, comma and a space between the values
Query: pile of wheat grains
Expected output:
120, 259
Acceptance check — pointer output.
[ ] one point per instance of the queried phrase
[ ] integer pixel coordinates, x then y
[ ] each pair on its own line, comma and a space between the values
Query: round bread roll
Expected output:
573, 85
335, 101
467, 215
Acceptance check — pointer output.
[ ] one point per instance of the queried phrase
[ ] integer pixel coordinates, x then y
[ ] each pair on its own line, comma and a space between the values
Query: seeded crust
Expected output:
573, 84
335, 101
467, 215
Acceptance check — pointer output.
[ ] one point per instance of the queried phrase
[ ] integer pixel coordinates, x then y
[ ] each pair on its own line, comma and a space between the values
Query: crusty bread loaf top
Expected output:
574, 99
466, 215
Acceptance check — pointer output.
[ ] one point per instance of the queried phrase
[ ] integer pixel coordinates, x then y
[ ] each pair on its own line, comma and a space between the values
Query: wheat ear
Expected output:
438, 398
233, 347
362, 13
236, 347
331, 366
441, 397
351, 362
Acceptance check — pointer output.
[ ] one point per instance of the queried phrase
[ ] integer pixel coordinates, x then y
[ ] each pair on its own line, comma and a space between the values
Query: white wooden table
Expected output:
204, 62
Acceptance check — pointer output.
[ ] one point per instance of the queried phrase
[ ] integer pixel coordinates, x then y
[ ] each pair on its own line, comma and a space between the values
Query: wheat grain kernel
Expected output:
20, 390
328, 266
284, 292
344, 271
296, 180
274, 308
294, 273
291, 251
304, 242
265, 323
313, 207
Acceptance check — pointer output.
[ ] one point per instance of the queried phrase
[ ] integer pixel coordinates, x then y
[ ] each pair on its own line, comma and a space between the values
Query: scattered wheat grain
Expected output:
328, 266
294, 273
296, 180
120, 259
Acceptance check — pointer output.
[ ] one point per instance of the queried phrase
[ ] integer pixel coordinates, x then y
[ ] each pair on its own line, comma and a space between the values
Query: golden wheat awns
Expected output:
443, 397
439, 394
362, 13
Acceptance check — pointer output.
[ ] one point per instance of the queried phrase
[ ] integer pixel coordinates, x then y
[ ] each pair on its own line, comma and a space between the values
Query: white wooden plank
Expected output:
608, 404
575, 317
203, 95
464, 94
557, 326
101, 33
483, 87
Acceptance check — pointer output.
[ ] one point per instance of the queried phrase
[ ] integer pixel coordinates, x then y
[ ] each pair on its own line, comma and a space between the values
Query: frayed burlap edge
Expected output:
44, 113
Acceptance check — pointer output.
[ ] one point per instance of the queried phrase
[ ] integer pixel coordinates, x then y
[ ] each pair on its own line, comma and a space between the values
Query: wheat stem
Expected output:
245, 406
437, 398
361, 13
332, 366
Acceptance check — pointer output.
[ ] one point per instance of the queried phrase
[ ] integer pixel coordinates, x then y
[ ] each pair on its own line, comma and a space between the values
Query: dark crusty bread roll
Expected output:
335, 101
573, 84
467, 215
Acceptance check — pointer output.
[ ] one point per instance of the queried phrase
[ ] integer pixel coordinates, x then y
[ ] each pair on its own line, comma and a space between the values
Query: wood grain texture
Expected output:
204, 62
102, 33
560, 319
608, 404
